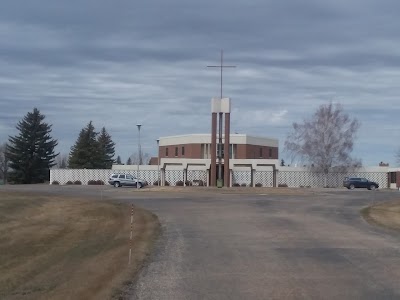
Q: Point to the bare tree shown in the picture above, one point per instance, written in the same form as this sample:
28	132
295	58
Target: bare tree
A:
3	162
325	141
62	161
145	158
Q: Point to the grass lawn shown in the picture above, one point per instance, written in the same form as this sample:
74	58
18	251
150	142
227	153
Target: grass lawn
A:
69	248
385	214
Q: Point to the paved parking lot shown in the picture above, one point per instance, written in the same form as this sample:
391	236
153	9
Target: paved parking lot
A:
305	245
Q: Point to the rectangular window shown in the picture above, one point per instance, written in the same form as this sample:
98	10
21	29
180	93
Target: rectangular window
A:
393	177
270	152
260	152
166	152
176	151
183	151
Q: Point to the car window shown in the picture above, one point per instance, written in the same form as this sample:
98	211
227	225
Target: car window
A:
129	177
122	176
114	176
364	180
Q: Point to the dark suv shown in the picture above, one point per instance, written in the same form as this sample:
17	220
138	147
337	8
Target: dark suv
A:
357	182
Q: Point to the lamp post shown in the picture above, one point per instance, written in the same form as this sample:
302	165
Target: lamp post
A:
158	162
139	154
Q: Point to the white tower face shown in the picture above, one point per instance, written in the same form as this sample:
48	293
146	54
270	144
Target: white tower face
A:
221	105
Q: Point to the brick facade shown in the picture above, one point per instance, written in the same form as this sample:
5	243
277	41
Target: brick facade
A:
242	151
256	152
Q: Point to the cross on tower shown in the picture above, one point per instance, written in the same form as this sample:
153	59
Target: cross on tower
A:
226	161
221	66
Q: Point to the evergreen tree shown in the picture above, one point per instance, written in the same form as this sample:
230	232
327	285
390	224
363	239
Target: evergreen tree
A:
31	152
282	163
119	160
86	154
107	149
129	161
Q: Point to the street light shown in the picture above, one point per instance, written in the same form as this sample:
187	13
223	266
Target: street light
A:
139	161
158	162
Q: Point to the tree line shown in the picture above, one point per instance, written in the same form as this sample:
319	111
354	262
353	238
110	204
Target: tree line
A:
28	156
324	142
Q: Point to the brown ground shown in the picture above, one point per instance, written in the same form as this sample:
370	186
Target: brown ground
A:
386	214
69	248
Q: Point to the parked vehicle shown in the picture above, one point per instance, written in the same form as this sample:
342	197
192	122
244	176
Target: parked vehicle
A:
118	180
357	182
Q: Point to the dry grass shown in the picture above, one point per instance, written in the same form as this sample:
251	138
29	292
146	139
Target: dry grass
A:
68	248
385	214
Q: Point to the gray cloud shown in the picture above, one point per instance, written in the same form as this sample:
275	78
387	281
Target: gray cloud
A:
121	63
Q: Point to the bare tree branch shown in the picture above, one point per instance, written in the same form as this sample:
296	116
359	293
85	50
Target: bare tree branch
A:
3	162
326	140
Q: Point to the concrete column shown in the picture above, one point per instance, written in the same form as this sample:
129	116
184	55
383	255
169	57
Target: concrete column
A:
162	176
227	149
213	179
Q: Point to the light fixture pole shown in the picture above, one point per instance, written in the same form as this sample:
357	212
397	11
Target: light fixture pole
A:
139	154
158	162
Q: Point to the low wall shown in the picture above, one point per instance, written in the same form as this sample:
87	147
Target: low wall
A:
292	177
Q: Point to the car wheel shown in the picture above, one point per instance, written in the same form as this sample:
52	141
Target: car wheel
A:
139	185
351	186
372	187
117	184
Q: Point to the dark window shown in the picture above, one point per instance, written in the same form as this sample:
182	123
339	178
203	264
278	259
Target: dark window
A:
122	176
176	151
166	151
260	152
393	177
115	176
183	151
270	152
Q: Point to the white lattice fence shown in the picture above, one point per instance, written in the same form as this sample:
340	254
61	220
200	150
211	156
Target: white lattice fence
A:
266	178
83	175
379	177
172	176
194	176
241	177
314	179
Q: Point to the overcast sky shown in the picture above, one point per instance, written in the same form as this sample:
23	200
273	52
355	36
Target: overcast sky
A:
119	63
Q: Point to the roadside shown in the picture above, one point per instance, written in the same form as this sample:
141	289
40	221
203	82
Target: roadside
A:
56	247
385	214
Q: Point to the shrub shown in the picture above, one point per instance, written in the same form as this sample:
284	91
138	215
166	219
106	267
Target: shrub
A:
179	183
69	182
188	183
77	182
201	183
236	184
156	182
282	185
95	182
243	184
258	184
166	183
55	182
